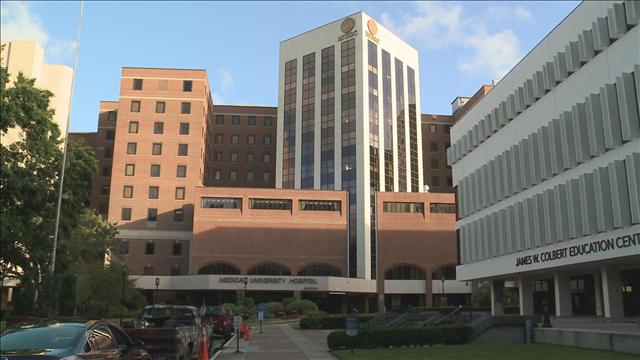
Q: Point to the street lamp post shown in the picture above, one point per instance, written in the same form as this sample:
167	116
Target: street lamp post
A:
124	277
245	297
443	301
155	294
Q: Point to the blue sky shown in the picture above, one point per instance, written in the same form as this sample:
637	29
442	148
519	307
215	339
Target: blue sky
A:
462	45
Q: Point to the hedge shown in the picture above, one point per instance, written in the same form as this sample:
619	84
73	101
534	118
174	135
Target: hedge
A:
446	335
444	310
330	322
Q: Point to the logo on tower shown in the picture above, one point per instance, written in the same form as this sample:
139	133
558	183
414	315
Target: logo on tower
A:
372	31
347	28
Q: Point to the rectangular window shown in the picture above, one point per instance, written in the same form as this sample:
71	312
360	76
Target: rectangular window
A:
217	175
162	85
104	190
180	193
235	139
403	207
235	119
266	176
217	156
233	156
266	157
135	106
154	192
148	270
183	149
129	170
108	153
132	148
251	121
178	215
177	249
248	176
435	164
185	108
251	157
267	140
160	107
126	214
106	171
319	205
112	115
149	249
187	85
110	134
233	175
133	127
219	119
221	203
158	127
267	121
127	192
270	204
218	139
184	128
181	171
433	128
124	247
433	146
438	208
152	215
155	170
435	181
137	84
156	149
251	139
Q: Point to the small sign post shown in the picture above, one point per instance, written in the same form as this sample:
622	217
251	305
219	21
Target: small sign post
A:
237	323
262	309
351	325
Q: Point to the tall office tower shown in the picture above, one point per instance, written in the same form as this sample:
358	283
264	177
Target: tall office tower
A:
348	99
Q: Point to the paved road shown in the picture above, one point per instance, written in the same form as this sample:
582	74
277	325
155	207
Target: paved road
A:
281	342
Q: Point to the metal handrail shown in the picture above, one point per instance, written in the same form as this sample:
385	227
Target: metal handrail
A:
449	315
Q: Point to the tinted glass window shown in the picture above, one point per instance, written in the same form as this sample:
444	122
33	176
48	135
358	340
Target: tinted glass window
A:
100	338
58	337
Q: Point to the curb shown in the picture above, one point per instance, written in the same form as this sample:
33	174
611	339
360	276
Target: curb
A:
217	353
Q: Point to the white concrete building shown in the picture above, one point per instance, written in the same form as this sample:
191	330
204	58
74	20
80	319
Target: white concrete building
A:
547	169
348	118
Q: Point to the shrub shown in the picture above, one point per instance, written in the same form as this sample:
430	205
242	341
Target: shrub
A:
274	307
330	322
287	301
302	306
447	335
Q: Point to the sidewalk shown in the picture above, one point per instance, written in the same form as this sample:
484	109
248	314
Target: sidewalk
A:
280	342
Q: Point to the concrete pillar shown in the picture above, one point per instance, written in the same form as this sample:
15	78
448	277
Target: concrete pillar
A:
381	306
562	294
526	295
428	294
297	295
497	287
366	304
344	304
597	289
612	292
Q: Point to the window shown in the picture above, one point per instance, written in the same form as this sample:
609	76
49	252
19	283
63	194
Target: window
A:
154	192
319	205
106	171
152	215
162	85
445	273
406	272
149	248
269	270
235	120
217	156
403	207
185	108
104	190
181	171
251	157
178	215
110	134
449	181
435	181
219	269
187	85
148	269
177	249
184	128
132	148
155	170
541	285
218	139
124	247
137	84
267	121
438	208
126	214
179	193
266	157
233	156
267	140
100	339
183	149
129	170
221	203
135	106
433	128
158	127
112	115
433	146
235	139
175	270
251	139
217	175
248	176
108	153
219	119
233	175
133	127
266	176
160	107
127	192
156	149
270	204
435	164
319	270
251	121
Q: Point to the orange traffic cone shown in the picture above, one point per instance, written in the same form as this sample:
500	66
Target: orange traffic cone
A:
204	347
247	334
243	330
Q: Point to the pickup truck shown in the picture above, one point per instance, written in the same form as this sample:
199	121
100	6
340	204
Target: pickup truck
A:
221	321
170	332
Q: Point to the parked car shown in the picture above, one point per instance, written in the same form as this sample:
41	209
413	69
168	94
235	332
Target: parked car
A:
221	321
170	331
52	339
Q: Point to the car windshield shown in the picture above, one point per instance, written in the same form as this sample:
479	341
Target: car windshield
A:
214	311
52	337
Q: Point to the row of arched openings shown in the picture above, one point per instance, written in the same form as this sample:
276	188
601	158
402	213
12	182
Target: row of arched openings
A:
410	272
269	270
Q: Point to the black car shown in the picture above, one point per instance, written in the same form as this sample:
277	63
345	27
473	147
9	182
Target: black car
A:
68	340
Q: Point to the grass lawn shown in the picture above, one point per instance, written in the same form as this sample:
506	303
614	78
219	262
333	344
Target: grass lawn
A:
485	352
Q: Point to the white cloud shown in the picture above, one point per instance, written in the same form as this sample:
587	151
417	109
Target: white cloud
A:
224	82
19	23
437	25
